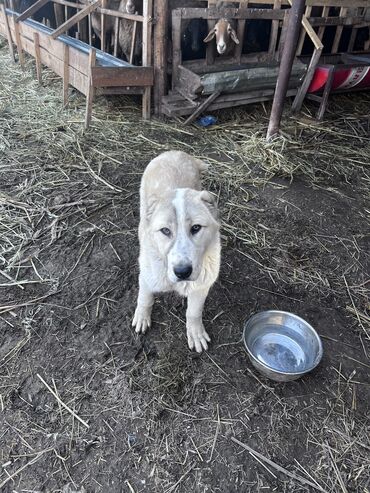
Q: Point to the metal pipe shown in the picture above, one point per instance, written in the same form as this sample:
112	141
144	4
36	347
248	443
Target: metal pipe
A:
287	58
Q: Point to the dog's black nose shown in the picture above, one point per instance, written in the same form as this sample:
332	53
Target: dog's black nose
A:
183	271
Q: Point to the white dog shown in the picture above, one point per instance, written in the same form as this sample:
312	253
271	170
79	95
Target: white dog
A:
179	240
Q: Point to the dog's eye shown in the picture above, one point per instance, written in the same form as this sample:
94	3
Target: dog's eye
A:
166	231
195	229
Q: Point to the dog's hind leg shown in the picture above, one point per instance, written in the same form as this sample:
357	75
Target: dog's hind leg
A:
197	336
142	318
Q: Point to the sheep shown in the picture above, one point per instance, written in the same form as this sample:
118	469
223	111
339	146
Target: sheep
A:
126	28
224	32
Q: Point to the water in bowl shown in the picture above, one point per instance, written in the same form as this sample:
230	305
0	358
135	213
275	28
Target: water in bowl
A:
277	347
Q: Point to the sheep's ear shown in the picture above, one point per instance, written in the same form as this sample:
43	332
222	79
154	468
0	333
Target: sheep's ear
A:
234	36
209	200
210	36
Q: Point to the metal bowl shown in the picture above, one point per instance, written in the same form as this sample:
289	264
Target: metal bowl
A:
282	345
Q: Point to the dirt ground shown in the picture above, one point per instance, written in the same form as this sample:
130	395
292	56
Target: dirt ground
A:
144	413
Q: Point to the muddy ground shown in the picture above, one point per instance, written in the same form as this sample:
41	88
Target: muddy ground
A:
144	413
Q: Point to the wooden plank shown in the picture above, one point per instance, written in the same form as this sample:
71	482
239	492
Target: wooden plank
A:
133	43
122	76
176	46
18	43
230	13
160	52
203	106
77	59
274	31
338	21
90	88
227	101
122	15
7	31
31	10
303	33
59	14
338	32
103	25
352	38
116	34
65	75
302	91
75	18
320	33
147	55
240	33
310	32
37	56
326	93
76	78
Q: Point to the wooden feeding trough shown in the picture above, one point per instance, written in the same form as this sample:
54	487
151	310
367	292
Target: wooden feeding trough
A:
87	69
218	82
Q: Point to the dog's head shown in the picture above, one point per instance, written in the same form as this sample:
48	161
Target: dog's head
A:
184	227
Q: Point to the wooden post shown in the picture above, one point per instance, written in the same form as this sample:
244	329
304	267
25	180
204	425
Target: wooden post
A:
290	44
90	88
65	74
147	54
89	29
18	43
176	46
133	40
8	33
36	40
338	31
102	26
302	91
116	36
274	32
326	93
160	52
58	12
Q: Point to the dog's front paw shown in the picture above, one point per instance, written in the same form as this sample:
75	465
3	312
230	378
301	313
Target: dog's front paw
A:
197	337
142	319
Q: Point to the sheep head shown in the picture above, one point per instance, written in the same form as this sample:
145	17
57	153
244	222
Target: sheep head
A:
224	33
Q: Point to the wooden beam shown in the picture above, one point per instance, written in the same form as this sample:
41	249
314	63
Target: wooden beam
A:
122	76
8	33
302	91
274	31
36	40
116	34
90	88
18	43
74	19
176	47
65	75
230	12
203	106
133	43
31	10
103	24
147	55
160	52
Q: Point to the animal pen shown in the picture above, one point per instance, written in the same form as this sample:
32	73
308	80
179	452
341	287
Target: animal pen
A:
189	87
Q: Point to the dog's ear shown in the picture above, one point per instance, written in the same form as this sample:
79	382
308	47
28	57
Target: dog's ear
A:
150	206
210	36
209	200
234	36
